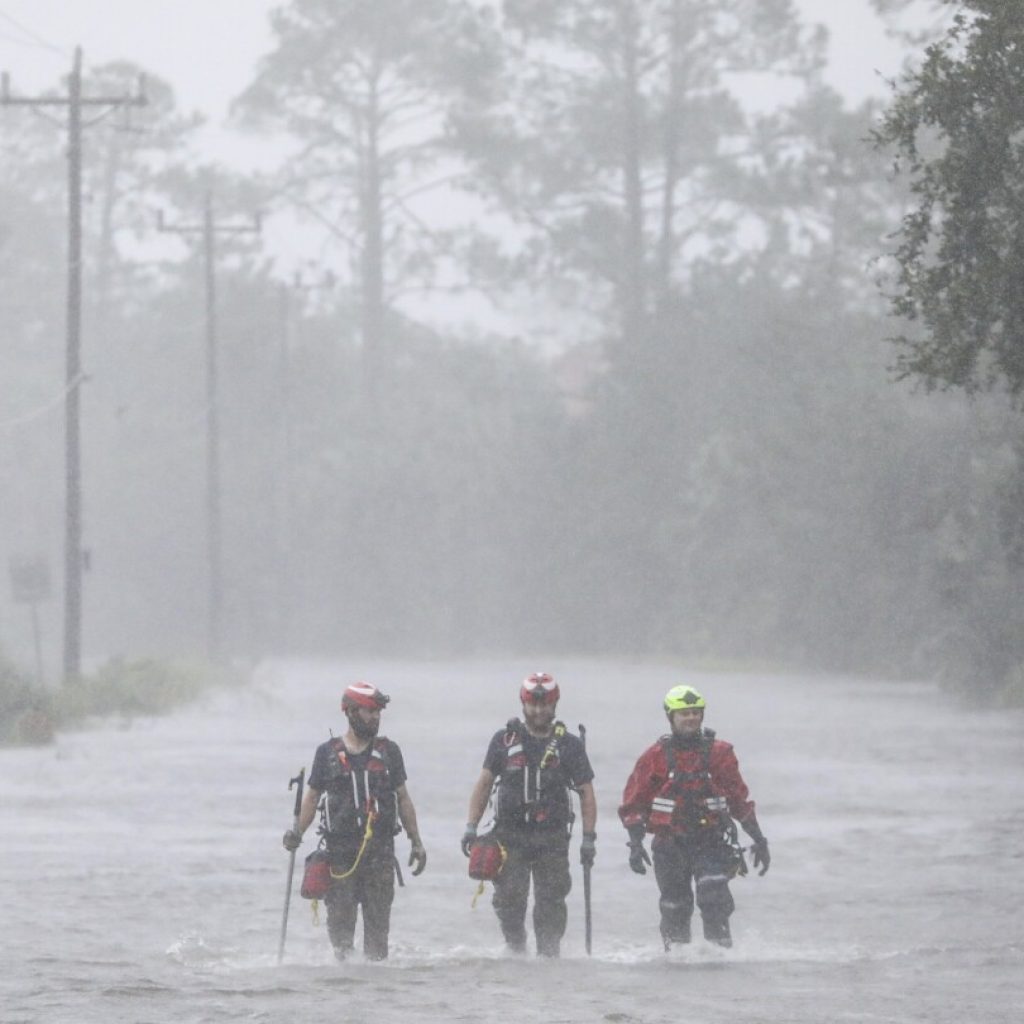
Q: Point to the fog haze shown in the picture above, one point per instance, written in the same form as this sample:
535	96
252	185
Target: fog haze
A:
432	347
484	391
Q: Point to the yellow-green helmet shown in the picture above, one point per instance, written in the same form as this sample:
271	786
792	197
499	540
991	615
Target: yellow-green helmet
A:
681	698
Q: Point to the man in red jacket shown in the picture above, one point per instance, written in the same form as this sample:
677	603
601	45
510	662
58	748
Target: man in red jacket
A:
686	790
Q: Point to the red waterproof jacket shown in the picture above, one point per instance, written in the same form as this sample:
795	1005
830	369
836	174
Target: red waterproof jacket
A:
674	790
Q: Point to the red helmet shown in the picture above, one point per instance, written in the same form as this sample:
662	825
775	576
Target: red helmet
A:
363	695
540	688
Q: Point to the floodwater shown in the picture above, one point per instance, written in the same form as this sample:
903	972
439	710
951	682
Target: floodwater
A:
143	877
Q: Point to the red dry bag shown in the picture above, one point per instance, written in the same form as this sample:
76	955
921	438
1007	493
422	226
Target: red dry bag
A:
316	878
486	859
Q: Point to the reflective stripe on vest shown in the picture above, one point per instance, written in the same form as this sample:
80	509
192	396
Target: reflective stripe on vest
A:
683	800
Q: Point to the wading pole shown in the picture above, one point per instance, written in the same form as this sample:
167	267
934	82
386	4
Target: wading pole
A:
587	920
586	906
297	781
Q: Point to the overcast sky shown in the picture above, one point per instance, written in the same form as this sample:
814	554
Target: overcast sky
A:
207	49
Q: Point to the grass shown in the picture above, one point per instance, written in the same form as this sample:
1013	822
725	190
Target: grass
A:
30	715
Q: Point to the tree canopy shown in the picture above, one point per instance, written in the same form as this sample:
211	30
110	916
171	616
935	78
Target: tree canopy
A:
957	128
364	90
619	139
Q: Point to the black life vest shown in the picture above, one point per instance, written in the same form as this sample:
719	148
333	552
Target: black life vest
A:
352	793
687	801
533	794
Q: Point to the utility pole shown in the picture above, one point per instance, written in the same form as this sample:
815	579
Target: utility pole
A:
73	554
208	230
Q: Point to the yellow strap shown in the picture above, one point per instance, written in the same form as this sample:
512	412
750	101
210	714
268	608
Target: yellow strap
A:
316	912
549	750
367	836
479	892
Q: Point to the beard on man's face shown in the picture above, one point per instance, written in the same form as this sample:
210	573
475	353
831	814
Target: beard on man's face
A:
363	729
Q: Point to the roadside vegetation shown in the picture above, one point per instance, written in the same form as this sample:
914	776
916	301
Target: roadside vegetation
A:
32	715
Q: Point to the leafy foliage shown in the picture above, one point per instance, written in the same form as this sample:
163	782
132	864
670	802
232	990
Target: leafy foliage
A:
143	687
957	128
30	714
24	713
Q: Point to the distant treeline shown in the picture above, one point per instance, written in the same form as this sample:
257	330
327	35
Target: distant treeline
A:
690	446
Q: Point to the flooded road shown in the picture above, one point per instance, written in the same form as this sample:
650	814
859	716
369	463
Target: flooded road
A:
143	877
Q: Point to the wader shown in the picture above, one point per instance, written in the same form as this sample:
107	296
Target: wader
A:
545	856
683	864
372	887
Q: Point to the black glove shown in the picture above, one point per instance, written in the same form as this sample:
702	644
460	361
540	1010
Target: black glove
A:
762	858
292	840
637	854
588	849
417	858
759	848
638	858
468	838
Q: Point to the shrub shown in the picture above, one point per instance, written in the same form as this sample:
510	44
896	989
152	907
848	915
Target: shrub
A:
119	687
26	715
144	687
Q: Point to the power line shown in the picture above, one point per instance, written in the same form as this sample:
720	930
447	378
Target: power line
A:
8	38
43	409
34	38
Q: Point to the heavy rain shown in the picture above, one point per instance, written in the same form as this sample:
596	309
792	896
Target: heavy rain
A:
671	349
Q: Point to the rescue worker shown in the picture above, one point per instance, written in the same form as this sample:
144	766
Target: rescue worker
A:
686	790
535	763
361	777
